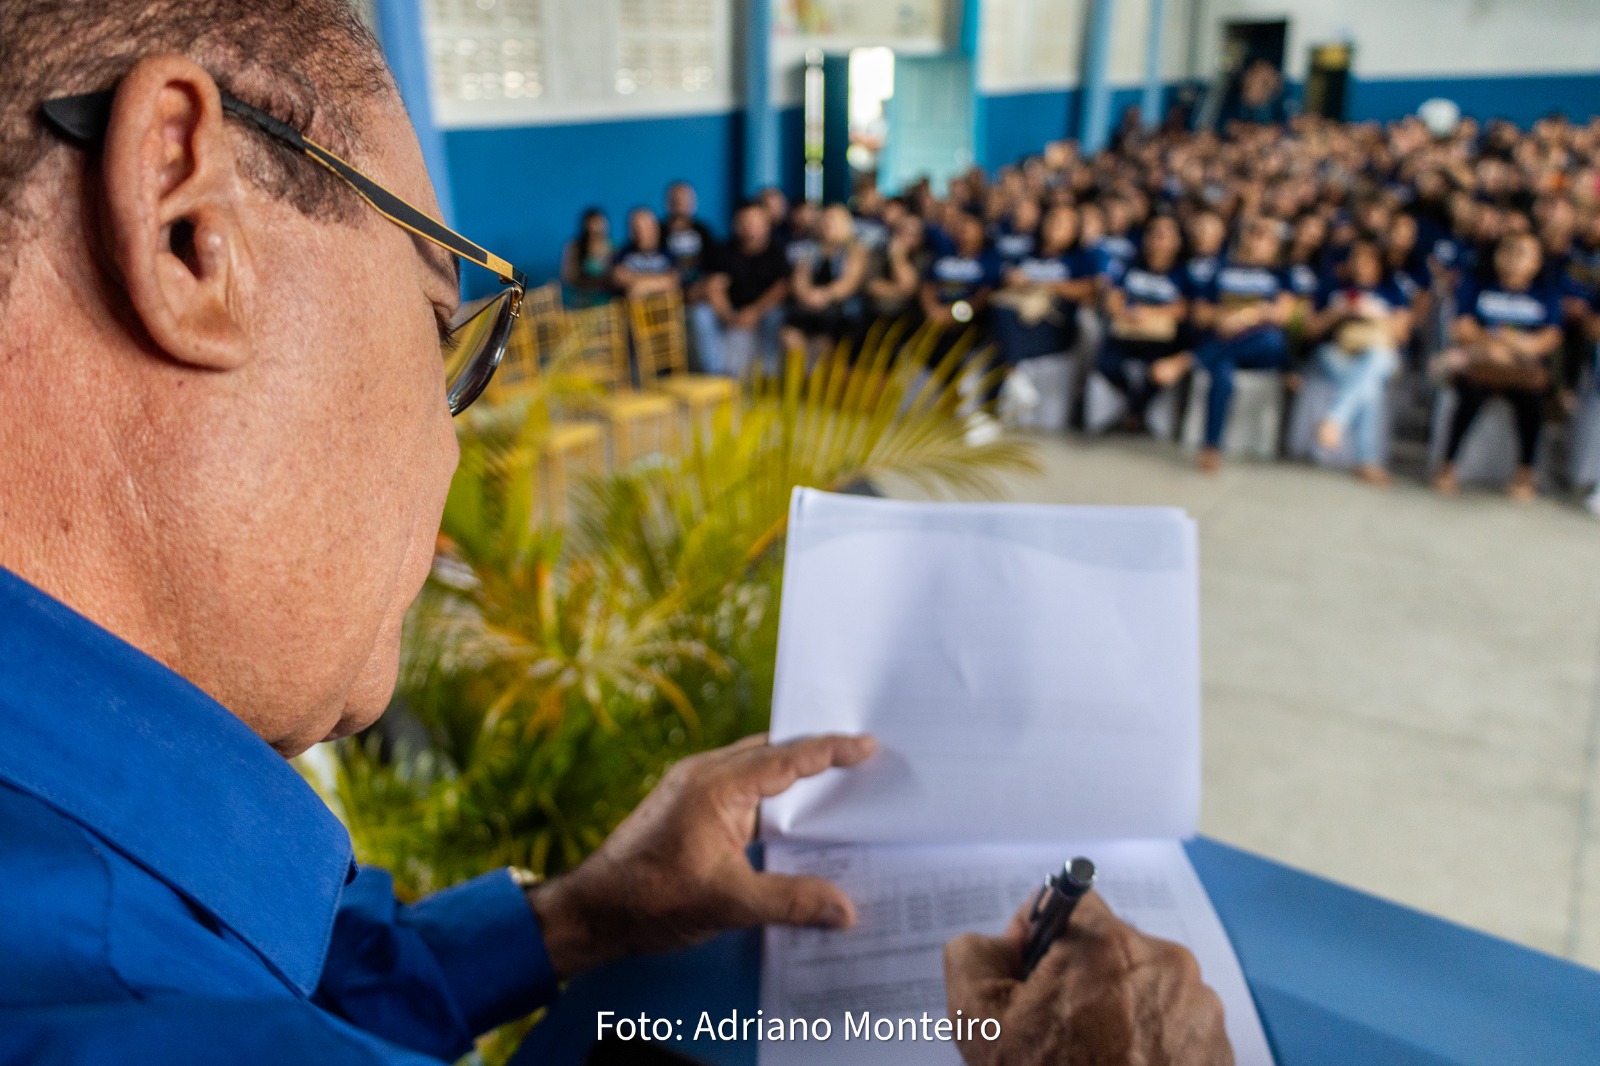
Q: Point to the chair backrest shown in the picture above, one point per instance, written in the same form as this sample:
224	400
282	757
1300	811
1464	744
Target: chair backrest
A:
602	343
659	336
535	334
546	318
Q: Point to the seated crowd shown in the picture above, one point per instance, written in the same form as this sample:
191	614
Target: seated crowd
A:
1313	250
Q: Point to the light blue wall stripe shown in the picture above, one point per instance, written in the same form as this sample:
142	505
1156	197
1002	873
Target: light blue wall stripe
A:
971	27
760	118
1094	124
1150	105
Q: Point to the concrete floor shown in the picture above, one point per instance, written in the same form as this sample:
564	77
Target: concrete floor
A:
1401	692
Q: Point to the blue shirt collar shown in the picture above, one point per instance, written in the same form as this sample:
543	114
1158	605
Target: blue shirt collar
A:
165	774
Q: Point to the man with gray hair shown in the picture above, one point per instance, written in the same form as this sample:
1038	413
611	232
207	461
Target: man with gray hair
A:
225	443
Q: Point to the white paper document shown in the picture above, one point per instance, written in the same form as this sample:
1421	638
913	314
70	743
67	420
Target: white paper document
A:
911	900
1032	676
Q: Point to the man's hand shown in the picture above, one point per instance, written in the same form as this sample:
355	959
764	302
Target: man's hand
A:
675	873
1103	993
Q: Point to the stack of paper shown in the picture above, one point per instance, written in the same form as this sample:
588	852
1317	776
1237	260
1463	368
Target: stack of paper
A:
1032	676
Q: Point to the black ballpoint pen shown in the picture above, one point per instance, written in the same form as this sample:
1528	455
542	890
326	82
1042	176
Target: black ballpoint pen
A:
1052	909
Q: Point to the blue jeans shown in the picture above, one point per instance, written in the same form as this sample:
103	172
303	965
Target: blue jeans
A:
1358	405
1262	348
731	352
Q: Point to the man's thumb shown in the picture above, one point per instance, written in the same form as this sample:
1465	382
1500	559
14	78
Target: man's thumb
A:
980	974
784	899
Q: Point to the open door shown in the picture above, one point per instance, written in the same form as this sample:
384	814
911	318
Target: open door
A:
929	120
1327	80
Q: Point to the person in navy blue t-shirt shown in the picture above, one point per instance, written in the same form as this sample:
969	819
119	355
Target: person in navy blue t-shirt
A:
1016	238
1307	255
1506	329
1206	233
1145	311
643	265
1362	318
1036	313
1243	311
1119	244
955	294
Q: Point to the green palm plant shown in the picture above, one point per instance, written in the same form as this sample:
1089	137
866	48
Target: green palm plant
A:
550	675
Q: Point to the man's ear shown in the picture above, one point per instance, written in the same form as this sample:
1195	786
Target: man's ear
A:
174	214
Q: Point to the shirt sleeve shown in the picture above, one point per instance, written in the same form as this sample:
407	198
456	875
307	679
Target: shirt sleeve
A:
435	975
188	1031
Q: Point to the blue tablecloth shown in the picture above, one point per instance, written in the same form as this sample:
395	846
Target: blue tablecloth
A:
1340	978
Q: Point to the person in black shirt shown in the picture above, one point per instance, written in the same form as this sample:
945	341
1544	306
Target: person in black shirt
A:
747	281
687	239
825	288
895	279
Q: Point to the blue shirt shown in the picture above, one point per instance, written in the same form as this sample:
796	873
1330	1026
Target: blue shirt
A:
1494	306
1119	250
1012	247
174	891
1147	287
961	277
1303	279
1236	284
1389	293
1053	269
642	262
1200	270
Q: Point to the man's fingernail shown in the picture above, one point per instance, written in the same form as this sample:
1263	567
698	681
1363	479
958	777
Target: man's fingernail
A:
835	915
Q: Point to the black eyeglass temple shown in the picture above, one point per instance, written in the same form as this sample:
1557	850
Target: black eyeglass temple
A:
83	119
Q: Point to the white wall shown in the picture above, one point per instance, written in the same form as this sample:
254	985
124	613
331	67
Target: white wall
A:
1425	38
530	62
910	27
1034	45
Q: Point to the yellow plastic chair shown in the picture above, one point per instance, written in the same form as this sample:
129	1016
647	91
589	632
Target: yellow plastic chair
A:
535	334
660	341
641	423
570	448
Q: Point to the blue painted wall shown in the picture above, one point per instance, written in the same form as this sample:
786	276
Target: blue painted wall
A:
1520	98
792	151
1019	124
520	191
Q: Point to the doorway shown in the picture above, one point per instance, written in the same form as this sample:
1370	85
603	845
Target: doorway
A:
889	119
1246	45
1327	80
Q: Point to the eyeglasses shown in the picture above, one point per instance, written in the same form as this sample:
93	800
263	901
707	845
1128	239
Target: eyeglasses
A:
475	342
